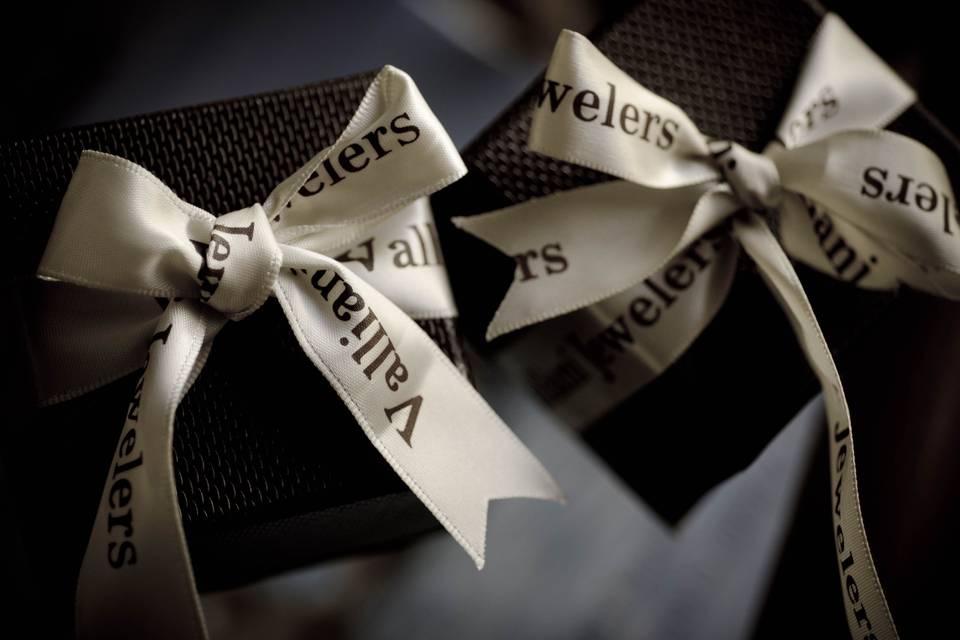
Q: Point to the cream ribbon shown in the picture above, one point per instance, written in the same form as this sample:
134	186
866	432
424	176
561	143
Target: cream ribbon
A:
122	238
647	258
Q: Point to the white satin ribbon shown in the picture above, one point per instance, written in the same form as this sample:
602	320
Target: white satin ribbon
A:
640	264
121	237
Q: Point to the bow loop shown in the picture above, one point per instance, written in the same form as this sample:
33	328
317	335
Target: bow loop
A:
120	230
241	261
642	265
135	237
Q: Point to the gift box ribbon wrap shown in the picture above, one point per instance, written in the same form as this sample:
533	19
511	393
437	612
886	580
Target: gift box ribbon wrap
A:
167	276
864	205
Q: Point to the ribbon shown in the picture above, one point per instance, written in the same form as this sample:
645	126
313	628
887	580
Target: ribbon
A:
122	238
646	261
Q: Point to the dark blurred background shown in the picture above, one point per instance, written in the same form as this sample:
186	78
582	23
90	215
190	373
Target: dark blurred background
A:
83	62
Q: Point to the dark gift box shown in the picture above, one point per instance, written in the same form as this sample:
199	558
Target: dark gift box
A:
262	486
731	66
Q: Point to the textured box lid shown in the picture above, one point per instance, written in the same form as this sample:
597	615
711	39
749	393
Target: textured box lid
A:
731	65
264	486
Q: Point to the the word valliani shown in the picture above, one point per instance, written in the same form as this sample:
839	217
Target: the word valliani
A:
419	246
214	257
848	264
372	348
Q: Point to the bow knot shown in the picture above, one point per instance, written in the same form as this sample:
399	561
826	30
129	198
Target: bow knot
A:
753	177
123	239
240	263
863	205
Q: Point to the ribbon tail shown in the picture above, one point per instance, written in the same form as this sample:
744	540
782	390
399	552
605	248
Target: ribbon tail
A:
556	240
868	611
417	409
586	362
136	580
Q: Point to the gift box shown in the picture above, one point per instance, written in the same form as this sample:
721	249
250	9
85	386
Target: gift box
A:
262	486
731	66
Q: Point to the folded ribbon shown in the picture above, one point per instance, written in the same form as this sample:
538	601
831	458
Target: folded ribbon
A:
122	238
866	206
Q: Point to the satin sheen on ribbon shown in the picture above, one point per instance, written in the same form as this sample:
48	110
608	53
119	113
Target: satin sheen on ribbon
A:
122	238
643	262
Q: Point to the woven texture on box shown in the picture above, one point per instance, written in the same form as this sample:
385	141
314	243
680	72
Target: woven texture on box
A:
221	156
252	445
728	63
731	65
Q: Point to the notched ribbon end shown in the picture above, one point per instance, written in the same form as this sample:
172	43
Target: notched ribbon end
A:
492	333
552	493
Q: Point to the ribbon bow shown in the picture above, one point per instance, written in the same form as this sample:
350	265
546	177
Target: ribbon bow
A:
648	257
123	237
